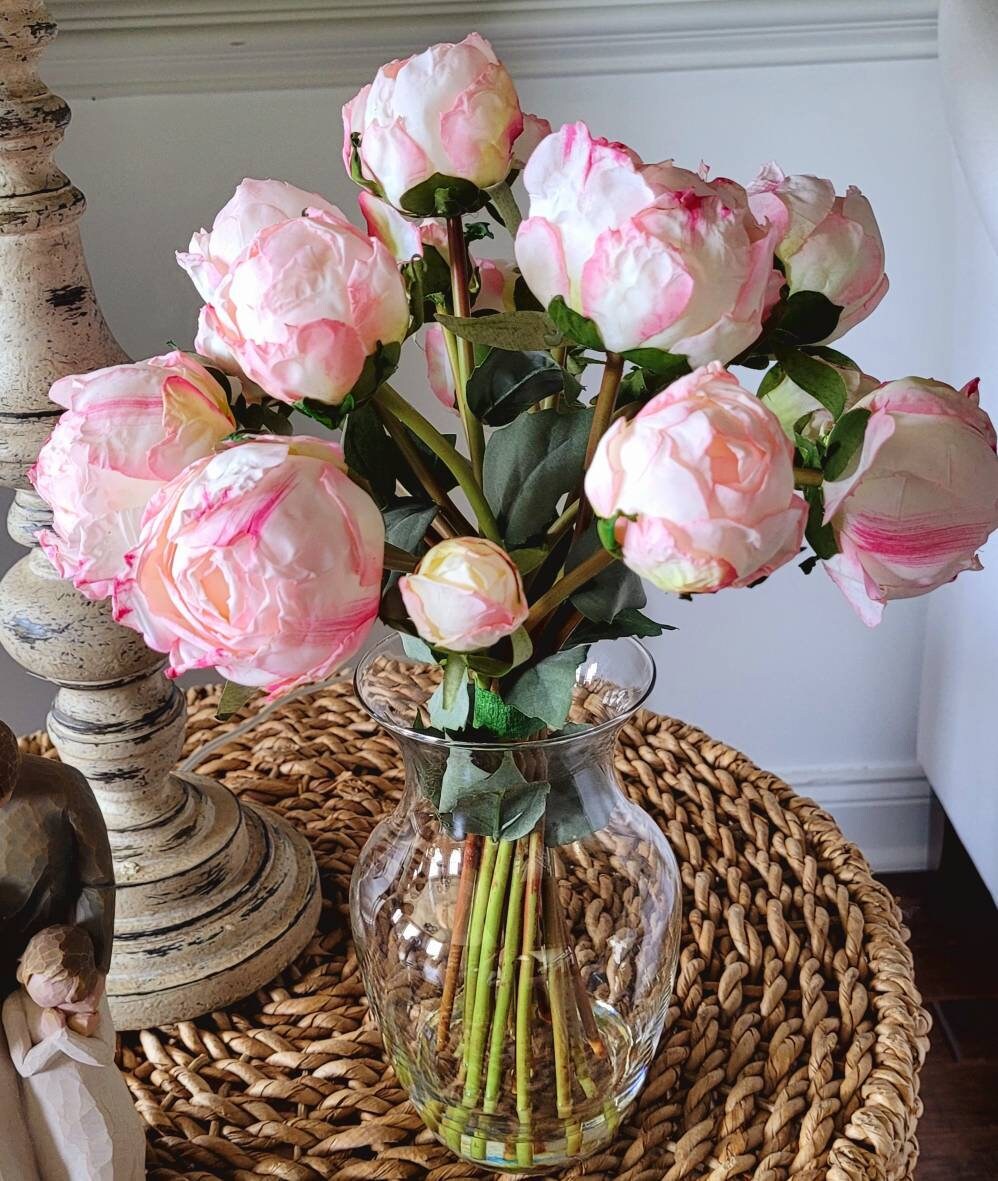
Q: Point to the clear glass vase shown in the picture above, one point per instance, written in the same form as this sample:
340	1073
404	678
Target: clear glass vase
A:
521	985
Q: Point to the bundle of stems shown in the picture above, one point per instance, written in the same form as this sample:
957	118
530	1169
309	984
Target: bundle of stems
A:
513	996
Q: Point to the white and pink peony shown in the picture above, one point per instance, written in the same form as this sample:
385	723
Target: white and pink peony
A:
702	479
826	243
127	430
921	498
231	572
296	297
465	594
449	113
657	257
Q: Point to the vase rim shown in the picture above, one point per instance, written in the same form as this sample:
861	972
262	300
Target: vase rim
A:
641	692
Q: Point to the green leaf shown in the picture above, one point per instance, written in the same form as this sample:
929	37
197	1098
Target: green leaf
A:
502	199
657	361
574	810
442	196
501	805
520	810
406	524
628	622
530	465
365	447
771	380
507	383
576	327
332	417
807	449
613	590
233	698
461	778
820	537
806	318
544	690
512	331
816	378
506	654
527	560
845	442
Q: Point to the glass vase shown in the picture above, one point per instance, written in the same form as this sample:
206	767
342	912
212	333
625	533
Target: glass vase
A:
521	982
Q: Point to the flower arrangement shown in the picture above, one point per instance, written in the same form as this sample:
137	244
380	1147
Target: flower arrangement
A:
601	440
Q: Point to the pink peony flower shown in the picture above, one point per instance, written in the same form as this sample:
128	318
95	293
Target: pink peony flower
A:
534	130
702	478
254	205
304	305
656	256
127	430
231	572
921	499
826	243
449	112
465	594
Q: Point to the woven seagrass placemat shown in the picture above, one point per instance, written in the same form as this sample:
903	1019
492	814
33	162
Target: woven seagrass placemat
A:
793	1044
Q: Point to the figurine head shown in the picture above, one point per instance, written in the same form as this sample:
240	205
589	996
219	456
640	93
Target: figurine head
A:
58	972
10	759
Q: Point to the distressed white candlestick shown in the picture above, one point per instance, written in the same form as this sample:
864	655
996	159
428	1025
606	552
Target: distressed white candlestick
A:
213	898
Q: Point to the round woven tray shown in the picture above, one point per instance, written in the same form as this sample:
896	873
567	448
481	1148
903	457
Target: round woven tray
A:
793	1044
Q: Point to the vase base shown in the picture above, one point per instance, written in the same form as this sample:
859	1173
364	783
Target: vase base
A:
234	908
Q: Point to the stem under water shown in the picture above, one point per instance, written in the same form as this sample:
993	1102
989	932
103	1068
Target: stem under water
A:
462	909
557	987
507	974
524	995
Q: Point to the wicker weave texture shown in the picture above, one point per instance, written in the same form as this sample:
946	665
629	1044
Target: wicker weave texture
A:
792	1049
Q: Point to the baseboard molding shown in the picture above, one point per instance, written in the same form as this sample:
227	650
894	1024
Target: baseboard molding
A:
889	811
110	47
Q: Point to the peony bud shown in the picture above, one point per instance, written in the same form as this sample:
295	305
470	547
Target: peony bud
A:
921	498
436	127
702	479
827	244
465	594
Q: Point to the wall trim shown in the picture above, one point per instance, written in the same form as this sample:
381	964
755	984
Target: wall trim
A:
889	810
113	47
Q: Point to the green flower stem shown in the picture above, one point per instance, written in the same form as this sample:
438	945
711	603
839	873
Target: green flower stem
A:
806	477
507	973
563	522
462	910
576	577
603	409
557	987
424	430
476	930
524	996
457	248
451	515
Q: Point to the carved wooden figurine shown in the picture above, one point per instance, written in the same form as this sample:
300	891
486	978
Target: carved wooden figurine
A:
213	898
67	1113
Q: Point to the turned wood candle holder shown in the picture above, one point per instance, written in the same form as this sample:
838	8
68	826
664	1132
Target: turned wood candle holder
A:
213	897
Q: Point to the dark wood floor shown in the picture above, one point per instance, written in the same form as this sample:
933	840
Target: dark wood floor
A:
954	938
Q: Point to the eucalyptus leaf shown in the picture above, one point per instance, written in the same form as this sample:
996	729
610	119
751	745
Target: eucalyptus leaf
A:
493	714
451	715
406	523
505	330
416	648
845	442
365	447
628	622
576	807
527	560
502	199
507	383
816	378
455	675
664	365
530	465
233	698
833	356
613	590
544	690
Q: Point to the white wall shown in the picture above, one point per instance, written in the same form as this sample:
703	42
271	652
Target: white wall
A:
785	672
